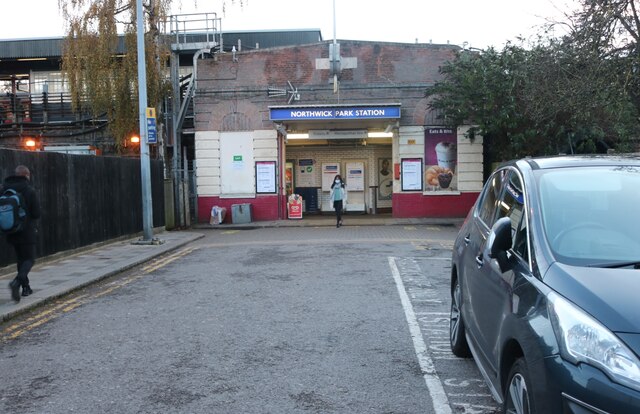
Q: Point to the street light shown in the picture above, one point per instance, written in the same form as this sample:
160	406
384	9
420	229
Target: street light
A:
30	143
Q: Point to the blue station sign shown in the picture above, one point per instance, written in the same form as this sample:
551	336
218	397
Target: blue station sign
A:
334	113
152	133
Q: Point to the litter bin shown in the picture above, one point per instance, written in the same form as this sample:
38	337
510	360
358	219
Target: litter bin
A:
240	213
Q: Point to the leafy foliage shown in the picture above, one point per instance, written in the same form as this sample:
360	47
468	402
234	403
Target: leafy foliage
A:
547	99
579	93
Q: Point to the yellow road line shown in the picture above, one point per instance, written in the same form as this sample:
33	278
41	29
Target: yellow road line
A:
166	260
14	331
43	314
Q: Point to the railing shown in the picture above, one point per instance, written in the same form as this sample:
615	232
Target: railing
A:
40	112
43	108
193	31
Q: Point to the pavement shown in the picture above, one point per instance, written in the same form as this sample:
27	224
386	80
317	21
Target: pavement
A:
57	275
329	220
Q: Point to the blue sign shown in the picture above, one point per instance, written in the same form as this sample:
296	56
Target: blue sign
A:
152	136
333	113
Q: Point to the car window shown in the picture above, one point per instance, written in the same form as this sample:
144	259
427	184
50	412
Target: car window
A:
590	214
511	205
490	196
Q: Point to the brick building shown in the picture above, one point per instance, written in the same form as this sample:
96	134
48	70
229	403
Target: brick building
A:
284	120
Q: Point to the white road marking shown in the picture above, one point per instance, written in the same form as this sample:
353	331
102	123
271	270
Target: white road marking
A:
434	385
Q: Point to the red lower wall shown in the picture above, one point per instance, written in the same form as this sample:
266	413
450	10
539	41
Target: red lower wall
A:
263	208
407	205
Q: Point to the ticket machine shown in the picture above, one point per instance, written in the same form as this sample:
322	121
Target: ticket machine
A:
329	171
355	186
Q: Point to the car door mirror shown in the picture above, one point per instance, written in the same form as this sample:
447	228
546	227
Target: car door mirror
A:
499	241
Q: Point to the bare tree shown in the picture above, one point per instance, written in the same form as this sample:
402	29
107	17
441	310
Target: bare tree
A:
611	29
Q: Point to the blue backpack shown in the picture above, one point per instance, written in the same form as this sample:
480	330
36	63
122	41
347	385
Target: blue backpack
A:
12	212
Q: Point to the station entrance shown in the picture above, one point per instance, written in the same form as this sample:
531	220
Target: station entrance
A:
363	159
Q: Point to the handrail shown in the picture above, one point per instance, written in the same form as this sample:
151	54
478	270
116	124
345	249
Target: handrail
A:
193	31
185	103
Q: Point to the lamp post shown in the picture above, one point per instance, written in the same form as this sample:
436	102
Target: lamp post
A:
147	208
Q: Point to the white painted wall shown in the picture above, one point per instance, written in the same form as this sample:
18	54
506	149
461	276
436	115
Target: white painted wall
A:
207	163
216	173
469	169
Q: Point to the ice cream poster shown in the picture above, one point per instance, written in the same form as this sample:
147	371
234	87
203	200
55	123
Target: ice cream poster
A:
441	159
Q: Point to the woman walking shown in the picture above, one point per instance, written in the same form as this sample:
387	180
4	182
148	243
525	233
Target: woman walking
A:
338	197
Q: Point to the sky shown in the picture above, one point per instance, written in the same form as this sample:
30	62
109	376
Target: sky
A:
471	23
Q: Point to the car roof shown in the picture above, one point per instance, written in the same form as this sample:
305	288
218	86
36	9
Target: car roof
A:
563	161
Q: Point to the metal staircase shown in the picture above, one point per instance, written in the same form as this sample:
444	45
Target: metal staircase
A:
190	35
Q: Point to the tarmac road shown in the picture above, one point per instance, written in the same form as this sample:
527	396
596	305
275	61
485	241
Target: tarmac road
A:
281	320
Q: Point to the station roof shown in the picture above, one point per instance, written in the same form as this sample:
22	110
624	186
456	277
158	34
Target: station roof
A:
20	56
52	47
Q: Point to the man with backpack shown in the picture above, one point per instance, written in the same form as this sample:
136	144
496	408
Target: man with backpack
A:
19	208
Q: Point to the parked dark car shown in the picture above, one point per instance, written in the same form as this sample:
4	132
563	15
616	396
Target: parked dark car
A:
545	285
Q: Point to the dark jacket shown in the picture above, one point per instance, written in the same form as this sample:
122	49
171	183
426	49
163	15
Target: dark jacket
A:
32	207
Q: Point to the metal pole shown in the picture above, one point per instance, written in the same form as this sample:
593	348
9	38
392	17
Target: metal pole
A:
175	111
147	212
334	22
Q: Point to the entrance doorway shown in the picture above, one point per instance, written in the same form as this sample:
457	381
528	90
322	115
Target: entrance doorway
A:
359	165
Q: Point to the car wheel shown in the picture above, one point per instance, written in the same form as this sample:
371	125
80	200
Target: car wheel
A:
517	394
458	341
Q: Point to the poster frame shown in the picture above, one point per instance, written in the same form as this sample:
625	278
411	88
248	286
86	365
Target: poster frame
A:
272	189
404	170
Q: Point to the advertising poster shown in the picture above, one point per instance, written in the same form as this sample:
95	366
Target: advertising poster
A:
385	179
441	159
265	177
288	177
411	174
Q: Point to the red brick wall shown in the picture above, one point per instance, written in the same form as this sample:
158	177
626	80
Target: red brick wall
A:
411	205
385	73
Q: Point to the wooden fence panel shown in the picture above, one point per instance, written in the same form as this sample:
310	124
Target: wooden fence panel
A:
85	199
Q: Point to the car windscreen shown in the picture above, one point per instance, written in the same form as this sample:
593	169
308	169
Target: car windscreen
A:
591	215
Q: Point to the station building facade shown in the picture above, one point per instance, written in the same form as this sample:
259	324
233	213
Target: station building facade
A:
274	122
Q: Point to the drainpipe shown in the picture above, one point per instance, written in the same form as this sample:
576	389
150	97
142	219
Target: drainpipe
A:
195	67
280	175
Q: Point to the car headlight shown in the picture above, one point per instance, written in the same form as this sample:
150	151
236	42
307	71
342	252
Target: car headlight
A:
583	339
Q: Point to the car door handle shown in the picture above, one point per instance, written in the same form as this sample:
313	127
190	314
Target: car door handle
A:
467	239
479	260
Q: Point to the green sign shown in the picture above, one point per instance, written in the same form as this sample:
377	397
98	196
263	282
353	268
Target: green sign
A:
237	158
